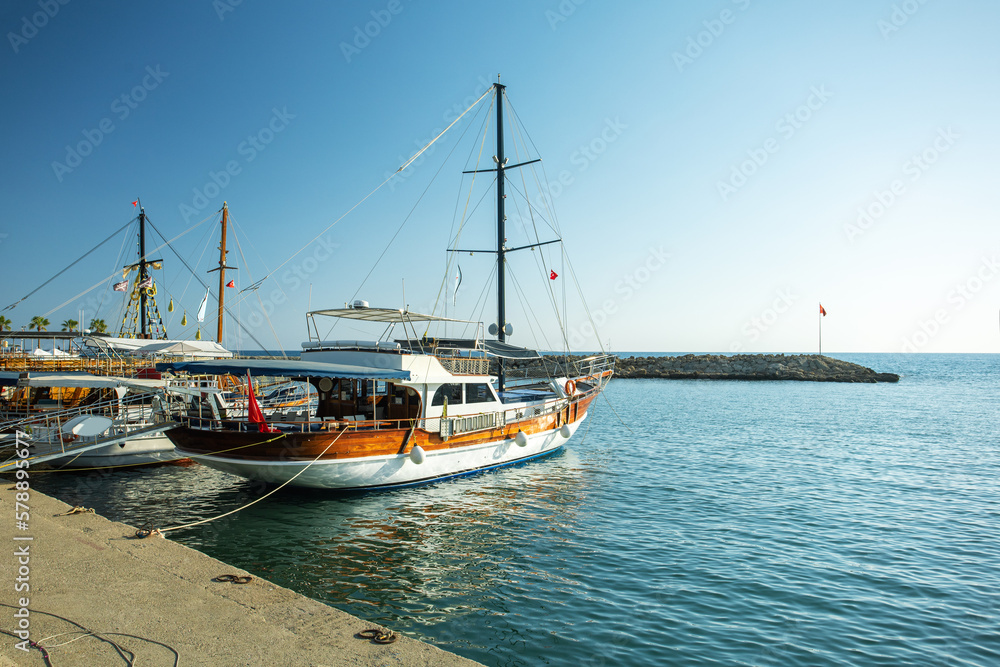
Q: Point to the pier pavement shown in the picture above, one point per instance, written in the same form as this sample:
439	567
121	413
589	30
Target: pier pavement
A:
86	573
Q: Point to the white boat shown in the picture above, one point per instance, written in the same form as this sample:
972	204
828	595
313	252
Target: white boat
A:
66	412
402	408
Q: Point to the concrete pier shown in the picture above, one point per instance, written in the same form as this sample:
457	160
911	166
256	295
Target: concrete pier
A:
96	576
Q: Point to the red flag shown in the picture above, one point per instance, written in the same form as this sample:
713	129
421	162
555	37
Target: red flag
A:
822	310
134	203
553	275
254	414
231	283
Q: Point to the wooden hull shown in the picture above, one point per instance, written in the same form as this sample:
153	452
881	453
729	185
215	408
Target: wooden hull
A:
377	458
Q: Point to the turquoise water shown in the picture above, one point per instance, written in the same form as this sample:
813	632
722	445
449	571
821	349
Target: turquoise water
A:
737	523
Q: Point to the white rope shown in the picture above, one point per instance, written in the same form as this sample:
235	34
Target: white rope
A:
188	525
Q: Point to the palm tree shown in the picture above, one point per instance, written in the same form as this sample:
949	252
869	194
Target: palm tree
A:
70	325
38	323
4	323
98	326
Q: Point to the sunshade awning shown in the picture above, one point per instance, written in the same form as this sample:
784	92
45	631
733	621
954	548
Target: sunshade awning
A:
289	368
384	315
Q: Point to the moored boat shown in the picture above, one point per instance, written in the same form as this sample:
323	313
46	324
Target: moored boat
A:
402	408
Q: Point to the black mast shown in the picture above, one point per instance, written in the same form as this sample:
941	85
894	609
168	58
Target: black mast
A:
501	325
143	273
501	233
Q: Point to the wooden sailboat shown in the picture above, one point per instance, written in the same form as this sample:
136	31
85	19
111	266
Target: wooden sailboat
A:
405	409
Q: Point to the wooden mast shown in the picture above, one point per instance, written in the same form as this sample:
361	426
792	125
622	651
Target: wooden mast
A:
222	270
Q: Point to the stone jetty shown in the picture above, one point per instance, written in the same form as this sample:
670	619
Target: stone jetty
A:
70	575
802	367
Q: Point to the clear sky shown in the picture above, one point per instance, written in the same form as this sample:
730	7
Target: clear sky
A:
726	166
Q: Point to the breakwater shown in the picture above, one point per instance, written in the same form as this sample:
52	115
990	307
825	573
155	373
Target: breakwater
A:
801	367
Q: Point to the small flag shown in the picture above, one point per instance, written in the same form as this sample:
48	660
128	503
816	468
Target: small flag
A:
148	282
122	286
822	310
134	203
231	283
553	275
201	308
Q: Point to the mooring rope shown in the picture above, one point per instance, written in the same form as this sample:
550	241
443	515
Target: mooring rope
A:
160	531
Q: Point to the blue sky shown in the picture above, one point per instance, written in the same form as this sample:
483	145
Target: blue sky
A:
725	166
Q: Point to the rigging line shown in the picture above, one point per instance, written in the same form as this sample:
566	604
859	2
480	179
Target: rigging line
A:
464	219
75	262
118	262
586	308
270	325
527	310
616	413
490	283
203	284
273	491
379	187
553	225
541	263
415	205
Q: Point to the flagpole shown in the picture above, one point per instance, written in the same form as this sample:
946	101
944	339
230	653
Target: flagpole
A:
820	316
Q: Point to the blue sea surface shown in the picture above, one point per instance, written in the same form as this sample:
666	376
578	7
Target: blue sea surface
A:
688	522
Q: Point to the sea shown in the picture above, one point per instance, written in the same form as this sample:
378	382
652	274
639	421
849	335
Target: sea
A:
688	522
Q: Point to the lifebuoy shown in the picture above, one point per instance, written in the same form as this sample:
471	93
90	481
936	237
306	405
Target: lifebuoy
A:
570	387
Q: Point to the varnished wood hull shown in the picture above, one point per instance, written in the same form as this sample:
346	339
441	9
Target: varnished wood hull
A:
373	459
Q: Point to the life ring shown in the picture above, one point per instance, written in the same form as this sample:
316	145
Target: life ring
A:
570	387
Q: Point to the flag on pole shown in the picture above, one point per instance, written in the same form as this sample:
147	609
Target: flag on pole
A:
121	287
254	413
458	283
553	275
231	283
134	203
202	307
148	282
822	310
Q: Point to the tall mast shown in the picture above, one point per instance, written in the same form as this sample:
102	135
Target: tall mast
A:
501	232
222	269
143	273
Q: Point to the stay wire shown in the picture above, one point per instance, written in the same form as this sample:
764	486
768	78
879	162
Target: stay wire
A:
377	188
74	263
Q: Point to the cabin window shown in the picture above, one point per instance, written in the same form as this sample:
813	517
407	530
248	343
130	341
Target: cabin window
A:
452	391
478	393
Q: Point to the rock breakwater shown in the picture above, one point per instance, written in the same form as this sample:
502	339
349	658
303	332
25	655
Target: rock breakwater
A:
802	367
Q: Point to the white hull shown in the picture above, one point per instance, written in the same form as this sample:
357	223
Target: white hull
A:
397	470
137	451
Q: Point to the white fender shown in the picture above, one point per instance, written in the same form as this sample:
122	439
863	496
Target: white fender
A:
565	432
521	439
417	454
